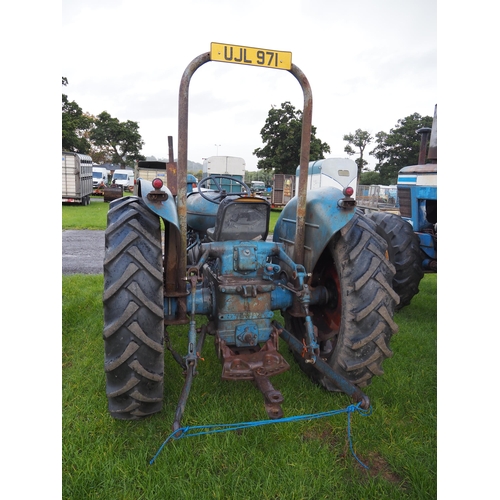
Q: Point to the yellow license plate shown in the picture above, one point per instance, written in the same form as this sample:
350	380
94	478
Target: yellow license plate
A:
250	55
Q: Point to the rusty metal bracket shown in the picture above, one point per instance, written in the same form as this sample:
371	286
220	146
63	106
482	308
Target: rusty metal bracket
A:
342	383
272	397
256	365
243	363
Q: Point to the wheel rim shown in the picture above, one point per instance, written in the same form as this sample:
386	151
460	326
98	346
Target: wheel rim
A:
327	319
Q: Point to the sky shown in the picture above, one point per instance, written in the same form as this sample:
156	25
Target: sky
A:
369	64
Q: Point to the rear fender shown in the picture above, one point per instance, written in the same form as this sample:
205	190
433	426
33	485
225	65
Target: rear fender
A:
324	218
166	209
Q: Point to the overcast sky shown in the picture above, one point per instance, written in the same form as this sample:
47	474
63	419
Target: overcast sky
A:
369	64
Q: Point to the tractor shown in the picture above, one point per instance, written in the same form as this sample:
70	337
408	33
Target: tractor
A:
325	269
412	237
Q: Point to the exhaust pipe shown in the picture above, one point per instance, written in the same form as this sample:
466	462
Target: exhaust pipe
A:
425	132
433	148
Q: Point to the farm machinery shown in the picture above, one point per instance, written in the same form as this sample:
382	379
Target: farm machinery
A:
411	237
417	193
325	269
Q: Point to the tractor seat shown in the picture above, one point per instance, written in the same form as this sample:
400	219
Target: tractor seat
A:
244	218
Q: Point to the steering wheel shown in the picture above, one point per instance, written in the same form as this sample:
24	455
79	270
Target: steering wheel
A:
222	192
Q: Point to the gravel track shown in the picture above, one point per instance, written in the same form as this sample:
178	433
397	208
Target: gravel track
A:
82	251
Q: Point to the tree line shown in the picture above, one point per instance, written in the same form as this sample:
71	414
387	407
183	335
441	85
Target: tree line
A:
398	148
104	138
107	140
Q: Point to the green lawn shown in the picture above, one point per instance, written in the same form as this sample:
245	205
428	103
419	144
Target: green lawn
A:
93	216
108	459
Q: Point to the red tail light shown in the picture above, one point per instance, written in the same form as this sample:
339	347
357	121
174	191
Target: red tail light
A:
157	183
348	191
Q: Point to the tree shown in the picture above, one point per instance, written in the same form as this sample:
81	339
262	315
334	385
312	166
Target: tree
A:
120	140
74	125
369	177
281	135
360	139
399	148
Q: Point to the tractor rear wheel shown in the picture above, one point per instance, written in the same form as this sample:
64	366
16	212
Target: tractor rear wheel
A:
354	328
133	310
403	247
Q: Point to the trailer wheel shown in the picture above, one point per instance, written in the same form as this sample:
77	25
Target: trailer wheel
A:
133	310
355	327
403	247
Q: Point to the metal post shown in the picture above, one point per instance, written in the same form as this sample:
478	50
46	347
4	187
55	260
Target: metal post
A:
182	163
305	149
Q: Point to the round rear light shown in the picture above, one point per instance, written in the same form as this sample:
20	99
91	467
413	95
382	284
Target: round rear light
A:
157	183
348	191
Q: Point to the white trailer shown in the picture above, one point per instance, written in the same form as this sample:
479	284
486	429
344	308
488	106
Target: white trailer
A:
226	165
76	178
283	190
150	170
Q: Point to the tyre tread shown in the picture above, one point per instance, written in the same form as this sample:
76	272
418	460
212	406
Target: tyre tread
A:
133	310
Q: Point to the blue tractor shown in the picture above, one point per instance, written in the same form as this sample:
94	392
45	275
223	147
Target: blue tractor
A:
324	269
412	236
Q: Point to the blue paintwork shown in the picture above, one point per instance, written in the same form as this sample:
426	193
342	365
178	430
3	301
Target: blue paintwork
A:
244	289
201	213
421	180
191	180
323	219
407	179
427	245
419	194
167	209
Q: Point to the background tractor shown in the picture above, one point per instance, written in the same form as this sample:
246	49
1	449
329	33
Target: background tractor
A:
412	236
325	269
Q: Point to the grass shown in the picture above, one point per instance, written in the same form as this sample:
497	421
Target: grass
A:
108	459
93	216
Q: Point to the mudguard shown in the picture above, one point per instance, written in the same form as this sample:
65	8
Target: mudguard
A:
166	209
324	218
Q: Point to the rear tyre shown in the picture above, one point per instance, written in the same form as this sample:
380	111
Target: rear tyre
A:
403	247
354	329
133	310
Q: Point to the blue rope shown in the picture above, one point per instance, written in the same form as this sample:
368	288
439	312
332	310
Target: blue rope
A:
196	430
